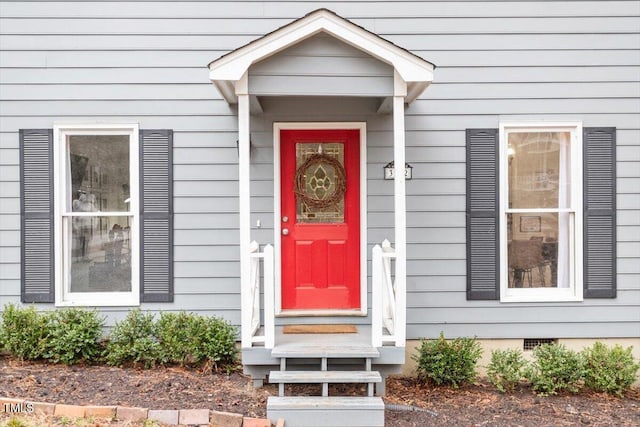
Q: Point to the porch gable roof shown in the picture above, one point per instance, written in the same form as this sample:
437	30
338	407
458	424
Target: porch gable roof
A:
225	71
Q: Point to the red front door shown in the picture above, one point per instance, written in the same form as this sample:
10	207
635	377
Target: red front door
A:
320	219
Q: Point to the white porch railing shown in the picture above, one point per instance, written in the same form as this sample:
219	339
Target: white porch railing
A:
251	300
387	319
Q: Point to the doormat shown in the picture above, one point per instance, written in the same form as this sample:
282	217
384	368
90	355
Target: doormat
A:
319	329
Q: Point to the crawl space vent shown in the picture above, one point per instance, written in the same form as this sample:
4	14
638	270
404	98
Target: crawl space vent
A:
531	343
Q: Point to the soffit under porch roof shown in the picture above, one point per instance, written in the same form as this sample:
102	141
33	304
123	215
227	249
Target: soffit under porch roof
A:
225	71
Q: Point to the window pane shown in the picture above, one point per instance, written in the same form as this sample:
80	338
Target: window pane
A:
539	169
321	183
100	254
98	173
538	250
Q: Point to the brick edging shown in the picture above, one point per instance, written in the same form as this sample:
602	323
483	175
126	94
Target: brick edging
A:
190	417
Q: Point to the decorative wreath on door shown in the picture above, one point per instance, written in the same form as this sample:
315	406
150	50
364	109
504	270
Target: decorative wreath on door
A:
329	199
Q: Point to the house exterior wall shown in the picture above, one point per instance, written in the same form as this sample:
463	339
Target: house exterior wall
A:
146	62
321	65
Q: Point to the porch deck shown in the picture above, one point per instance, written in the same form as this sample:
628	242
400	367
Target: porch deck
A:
323	345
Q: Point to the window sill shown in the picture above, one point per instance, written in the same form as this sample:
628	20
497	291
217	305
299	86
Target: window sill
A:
540	295
99	300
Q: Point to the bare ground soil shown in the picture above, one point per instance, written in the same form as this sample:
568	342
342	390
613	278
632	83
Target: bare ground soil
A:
410	403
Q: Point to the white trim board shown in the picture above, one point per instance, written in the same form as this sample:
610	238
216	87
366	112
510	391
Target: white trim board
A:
229	68
277	127
575	290
63	296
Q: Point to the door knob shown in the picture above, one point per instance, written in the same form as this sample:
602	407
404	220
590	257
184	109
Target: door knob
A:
285	231
285	218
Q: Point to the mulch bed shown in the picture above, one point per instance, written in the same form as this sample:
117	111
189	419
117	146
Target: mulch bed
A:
482	405
417	404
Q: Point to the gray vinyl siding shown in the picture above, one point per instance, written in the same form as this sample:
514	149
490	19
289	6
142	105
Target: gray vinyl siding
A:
146	62
9	216
321	65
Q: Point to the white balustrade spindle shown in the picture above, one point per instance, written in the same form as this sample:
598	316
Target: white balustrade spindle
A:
251	309
386	326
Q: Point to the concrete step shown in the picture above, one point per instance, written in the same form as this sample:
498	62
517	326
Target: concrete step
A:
333	377
327	411
328	351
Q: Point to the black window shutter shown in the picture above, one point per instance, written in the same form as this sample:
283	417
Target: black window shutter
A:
482	215
599	212
36	214
156	216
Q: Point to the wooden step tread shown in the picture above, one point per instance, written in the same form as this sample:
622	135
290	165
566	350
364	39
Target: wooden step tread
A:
329	351
313	377
318	402
313	411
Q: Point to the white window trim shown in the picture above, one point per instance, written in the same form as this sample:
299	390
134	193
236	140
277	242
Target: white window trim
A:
575	290
103	299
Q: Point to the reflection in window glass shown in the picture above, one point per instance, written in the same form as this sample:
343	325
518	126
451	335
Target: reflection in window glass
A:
99	173
98	245
100	254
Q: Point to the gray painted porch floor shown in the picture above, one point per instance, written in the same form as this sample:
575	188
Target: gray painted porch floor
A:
361	338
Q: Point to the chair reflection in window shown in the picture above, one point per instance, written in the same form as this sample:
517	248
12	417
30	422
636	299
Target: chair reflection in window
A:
525	256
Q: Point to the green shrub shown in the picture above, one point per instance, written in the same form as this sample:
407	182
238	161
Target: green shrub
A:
554	369
134	340
506	369
609	370
74	335
448	362
216	339
176	335
189	338
23	332
183	338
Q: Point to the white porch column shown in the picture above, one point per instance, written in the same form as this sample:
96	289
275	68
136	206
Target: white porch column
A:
400	208
242	92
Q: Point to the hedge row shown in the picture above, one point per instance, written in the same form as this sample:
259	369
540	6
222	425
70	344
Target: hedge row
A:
553	368
76	335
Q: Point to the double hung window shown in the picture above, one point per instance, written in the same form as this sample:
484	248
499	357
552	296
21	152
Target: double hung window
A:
540	212
96	220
